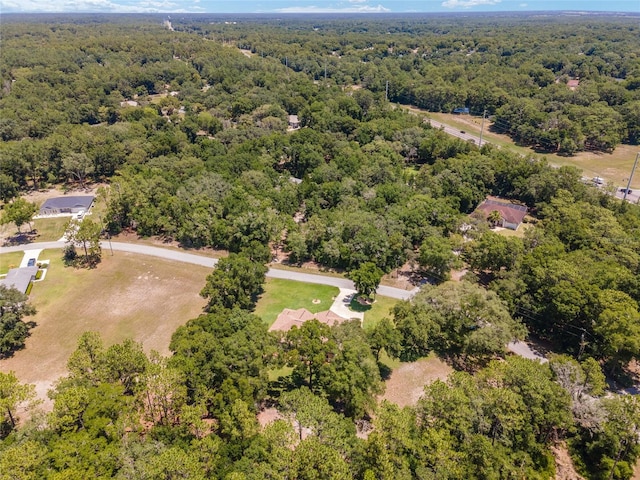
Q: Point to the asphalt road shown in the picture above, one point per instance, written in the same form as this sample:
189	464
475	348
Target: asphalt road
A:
456	132
519	348
204	261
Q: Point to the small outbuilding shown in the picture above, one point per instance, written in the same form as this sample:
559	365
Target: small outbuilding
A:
70	205
294	122
511	214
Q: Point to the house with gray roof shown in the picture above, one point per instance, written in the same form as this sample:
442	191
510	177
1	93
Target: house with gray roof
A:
20	278
71	204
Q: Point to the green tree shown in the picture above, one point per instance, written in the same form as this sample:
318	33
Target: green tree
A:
235	282
436	257
87	234
351	377
618	328
19	212
225	353
87	360
308	348
384	335
12	395
126	363
456	318
78	165
366	278
13	330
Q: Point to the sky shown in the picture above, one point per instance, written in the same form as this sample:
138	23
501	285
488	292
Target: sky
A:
313	6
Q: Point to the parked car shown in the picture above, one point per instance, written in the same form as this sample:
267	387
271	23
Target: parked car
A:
626	190
31	262
598	181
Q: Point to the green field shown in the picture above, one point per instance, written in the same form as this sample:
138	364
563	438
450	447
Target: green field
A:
374	313
280	294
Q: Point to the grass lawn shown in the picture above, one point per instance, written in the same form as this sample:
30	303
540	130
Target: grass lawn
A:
126	296
9	261
49	229
376	312
280	294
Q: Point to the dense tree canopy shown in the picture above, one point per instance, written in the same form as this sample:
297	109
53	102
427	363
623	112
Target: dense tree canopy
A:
192	138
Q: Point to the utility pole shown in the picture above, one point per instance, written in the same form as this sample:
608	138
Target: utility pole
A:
482	127
386	92
583	343
626	190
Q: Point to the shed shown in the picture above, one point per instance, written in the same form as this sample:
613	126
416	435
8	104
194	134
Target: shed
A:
74	204
512	214
20	278
294	122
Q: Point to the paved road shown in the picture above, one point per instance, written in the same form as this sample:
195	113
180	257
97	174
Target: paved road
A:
204	261
524	350
456	132
519	348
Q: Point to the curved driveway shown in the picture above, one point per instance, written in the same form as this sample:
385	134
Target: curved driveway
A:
519	348
184	257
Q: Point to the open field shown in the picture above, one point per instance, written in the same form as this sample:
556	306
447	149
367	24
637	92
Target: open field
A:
613	167
127	295
407	381
280	294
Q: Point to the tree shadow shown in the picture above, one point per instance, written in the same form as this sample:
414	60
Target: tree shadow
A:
385	371
357	306
21	238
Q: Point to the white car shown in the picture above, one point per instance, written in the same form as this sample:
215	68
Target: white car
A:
79	215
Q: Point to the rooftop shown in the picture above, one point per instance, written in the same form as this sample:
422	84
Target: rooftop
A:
510	212
20	278
58	203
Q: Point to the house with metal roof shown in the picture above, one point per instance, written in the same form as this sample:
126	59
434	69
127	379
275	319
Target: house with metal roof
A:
70	204
20	278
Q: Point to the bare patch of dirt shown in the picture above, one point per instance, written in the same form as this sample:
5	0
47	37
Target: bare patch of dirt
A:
565	469
407	382
268	415
405	277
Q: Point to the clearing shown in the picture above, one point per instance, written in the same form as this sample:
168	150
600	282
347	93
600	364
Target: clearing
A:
407	381
126	296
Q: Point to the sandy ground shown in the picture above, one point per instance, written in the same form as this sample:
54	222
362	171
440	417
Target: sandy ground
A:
565	469
407	382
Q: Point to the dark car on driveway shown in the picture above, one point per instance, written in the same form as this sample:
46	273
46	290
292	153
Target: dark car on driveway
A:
31	262
626	190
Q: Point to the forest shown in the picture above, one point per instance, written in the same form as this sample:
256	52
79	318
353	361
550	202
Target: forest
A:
189	128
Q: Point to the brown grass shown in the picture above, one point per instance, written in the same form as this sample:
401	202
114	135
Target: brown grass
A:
407	381
126	296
